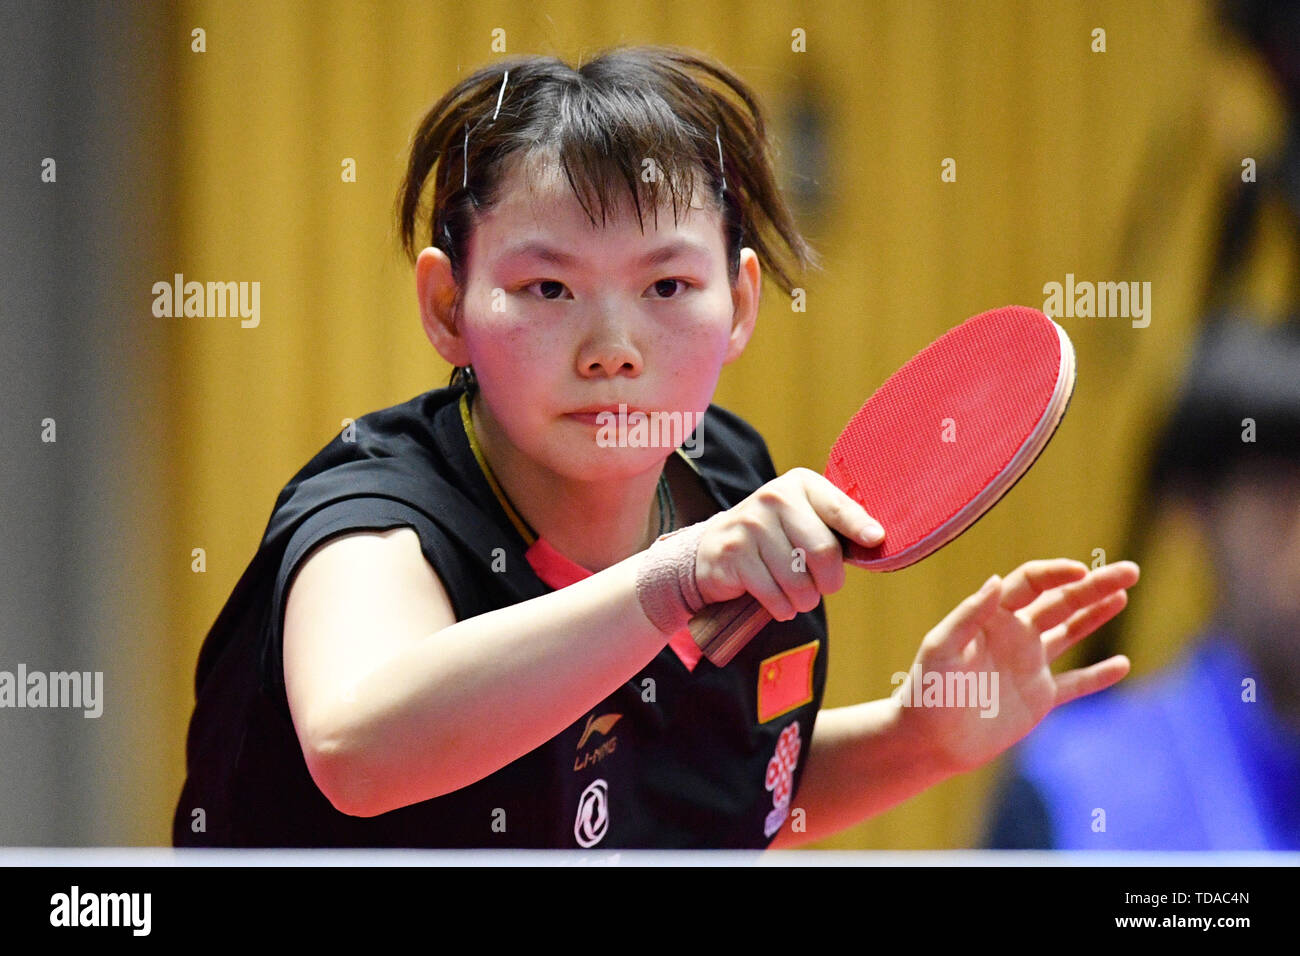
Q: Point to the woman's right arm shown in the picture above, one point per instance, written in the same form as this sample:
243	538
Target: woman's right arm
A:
395	702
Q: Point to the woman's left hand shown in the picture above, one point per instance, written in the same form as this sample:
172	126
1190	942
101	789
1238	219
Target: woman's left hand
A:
1006	638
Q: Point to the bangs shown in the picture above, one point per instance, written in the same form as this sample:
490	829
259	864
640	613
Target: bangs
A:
613	148
647	127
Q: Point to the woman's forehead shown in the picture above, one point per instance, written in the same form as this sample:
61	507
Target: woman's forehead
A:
537	194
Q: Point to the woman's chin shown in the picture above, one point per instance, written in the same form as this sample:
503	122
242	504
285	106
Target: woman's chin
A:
608	464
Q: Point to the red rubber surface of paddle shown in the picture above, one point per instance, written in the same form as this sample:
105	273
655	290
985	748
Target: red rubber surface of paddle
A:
966	387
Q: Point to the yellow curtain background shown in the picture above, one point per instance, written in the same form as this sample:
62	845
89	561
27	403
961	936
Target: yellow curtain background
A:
1052	144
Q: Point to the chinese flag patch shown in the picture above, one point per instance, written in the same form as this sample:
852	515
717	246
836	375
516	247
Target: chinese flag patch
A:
785	681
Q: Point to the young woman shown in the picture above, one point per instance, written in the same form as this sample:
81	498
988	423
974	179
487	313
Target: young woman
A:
465	625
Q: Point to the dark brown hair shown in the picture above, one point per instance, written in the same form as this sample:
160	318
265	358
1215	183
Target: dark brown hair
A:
604	121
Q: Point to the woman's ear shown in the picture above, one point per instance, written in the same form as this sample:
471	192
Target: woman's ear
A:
745	292
436	288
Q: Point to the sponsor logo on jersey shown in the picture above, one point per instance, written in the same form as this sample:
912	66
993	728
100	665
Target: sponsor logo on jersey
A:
592	822
785	681
596	725
780	777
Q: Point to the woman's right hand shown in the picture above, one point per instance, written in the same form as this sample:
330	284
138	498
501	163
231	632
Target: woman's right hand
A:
755	547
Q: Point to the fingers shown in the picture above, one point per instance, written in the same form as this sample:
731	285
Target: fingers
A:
1082	681
755	568
805	559
796	557
1058	596
1082	623
837	510
822	555
951	634
1033	578
1056	605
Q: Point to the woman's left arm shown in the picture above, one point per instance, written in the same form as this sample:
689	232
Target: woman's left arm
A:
861	762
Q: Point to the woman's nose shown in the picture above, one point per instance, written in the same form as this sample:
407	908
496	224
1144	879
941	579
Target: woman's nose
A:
609	351
610	362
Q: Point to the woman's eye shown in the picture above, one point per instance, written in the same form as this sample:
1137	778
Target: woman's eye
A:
668	286
549	288
661	289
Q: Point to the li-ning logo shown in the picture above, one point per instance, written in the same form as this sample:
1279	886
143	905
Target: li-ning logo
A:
592	822
780	777
596	725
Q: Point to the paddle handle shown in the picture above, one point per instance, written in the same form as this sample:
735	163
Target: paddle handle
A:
721	630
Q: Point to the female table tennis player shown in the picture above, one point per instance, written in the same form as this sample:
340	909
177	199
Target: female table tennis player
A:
465	625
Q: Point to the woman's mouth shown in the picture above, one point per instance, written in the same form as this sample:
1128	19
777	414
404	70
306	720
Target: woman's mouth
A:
607	415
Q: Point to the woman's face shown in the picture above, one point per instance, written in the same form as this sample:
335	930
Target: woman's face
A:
560	316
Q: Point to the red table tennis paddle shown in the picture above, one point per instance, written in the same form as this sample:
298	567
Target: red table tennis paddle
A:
934	448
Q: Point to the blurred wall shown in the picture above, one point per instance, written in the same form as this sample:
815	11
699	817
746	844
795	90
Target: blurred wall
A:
1062	167
85	380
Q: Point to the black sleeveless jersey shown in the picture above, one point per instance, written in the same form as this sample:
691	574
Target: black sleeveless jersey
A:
673	758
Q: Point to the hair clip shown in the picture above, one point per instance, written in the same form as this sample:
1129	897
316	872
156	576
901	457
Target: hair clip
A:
718	138
501	94
464	176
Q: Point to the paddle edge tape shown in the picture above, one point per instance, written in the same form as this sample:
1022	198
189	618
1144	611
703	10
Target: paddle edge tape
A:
1018	466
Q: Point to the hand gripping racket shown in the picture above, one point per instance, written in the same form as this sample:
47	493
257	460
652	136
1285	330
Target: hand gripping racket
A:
934	448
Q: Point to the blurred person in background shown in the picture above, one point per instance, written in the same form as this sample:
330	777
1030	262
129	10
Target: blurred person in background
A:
1206	754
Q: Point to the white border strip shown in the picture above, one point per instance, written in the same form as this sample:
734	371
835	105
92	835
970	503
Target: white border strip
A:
168	856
